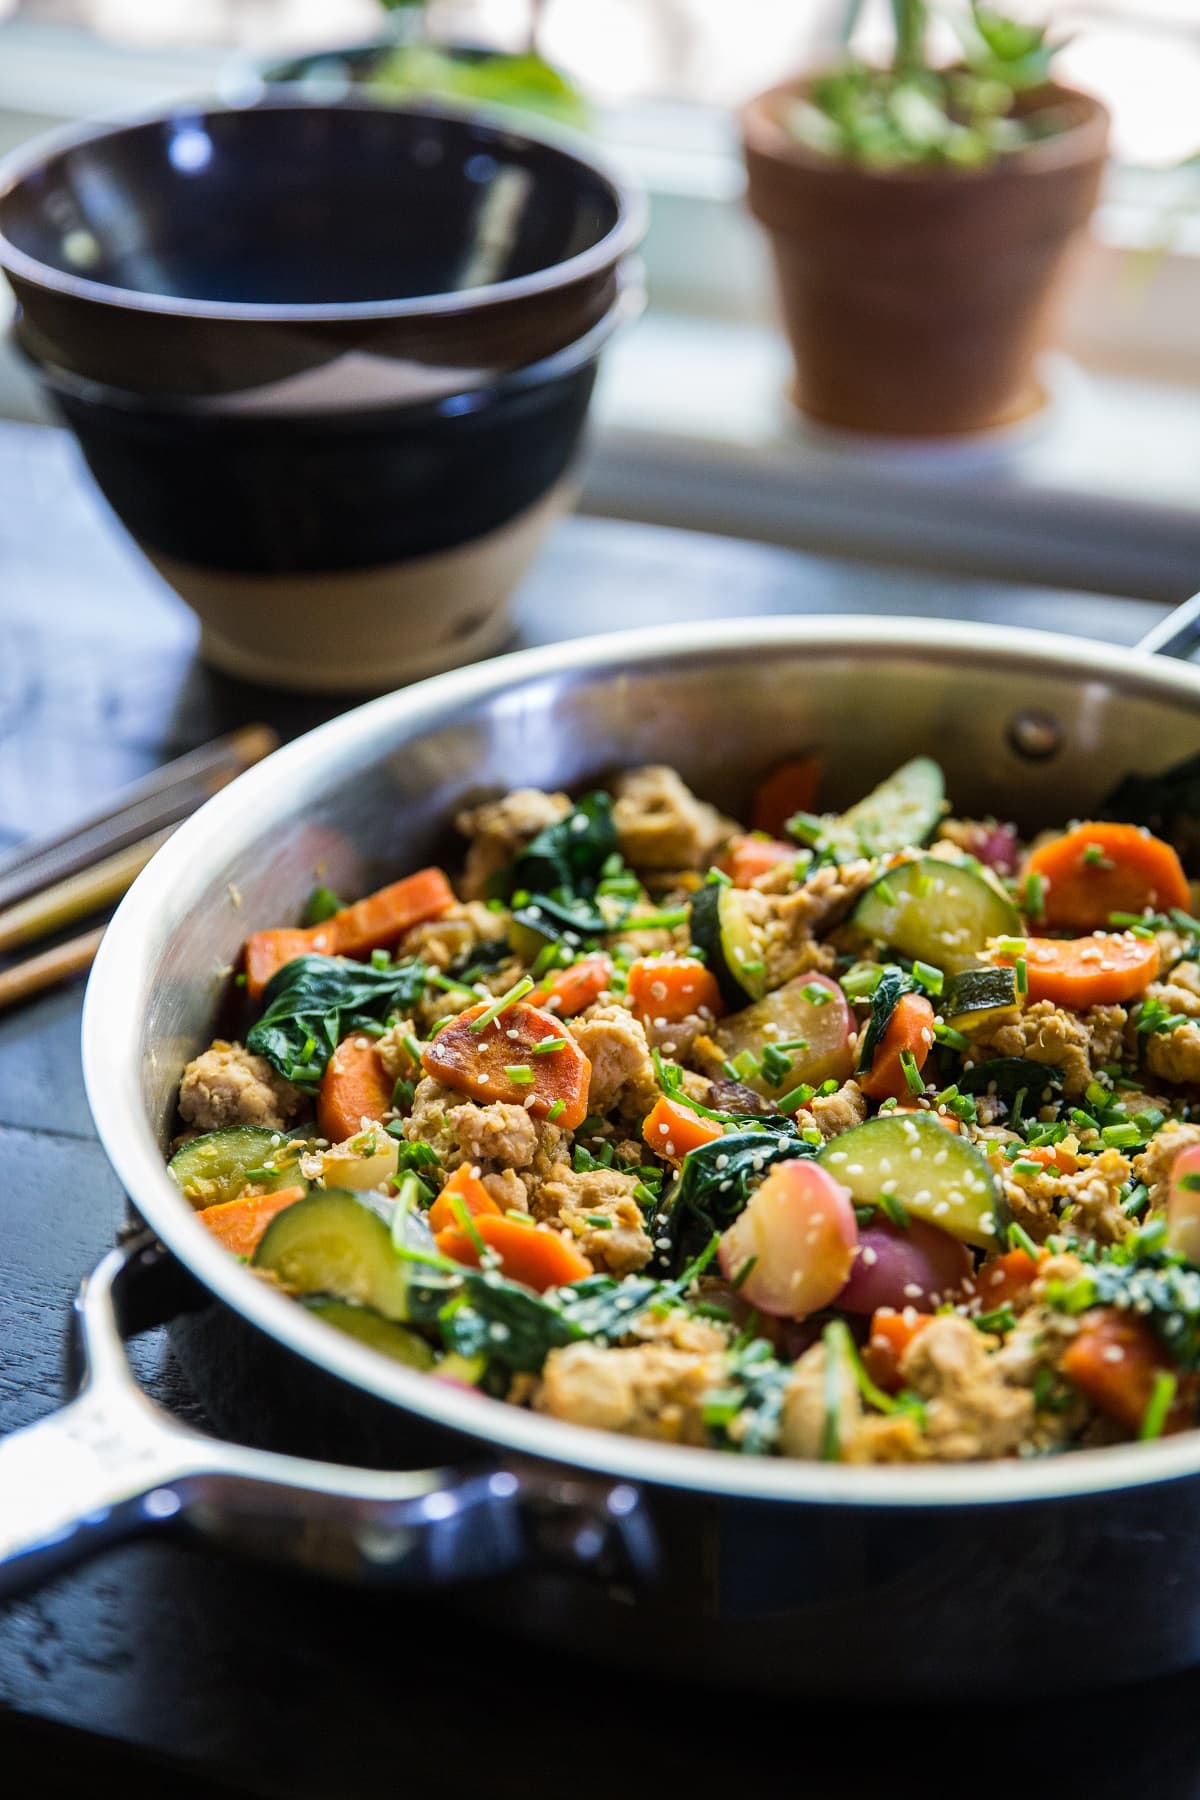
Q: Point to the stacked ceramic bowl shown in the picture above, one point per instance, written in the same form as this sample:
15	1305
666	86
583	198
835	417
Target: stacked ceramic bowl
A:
329	364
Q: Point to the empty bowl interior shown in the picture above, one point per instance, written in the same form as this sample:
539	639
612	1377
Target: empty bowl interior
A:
293	205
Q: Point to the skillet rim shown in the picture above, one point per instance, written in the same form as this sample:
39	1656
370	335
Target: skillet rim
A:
136	1156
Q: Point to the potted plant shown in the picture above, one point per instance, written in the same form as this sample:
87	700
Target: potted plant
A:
409	60
920	217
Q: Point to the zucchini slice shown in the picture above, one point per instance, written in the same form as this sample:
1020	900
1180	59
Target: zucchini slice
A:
721	928
396	1341
935	911
216	1167
934	1174
975	999
897	815
336	1243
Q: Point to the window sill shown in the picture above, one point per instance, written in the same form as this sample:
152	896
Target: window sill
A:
692	426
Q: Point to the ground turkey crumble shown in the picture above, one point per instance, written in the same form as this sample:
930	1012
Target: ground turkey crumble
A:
226	1085
1077	1043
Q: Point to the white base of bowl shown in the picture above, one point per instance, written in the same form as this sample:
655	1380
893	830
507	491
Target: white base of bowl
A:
365	630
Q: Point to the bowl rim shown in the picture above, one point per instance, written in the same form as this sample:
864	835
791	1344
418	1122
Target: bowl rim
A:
273	401
111	1049
29	160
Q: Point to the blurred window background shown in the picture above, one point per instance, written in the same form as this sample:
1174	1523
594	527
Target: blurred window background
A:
1141	56
693	424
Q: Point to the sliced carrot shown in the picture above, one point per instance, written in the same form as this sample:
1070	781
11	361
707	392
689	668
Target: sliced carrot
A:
890	1335
1099	869
1007	1278
789	788
239	1224
568	992
1052	1156
466	1187
672	1130
373	923
909	1028
535	1255
1115	1361
943	1118
504	1062
269	951
748	857
671	988
1086	971
379	920
354	1087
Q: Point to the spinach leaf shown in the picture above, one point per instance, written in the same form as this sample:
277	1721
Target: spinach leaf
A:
1010	1074
752	1395
1164	1292
893	984
560	870
1169	804
488	1315
567	856
314	1001
715	1183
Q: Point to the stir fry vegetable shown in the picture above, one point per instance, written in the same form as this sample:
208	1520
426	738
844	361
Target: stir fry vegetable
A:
869	1135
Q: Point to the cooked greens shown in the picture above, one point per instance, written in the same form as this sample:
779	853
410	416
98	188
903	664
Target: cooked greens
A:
313	1002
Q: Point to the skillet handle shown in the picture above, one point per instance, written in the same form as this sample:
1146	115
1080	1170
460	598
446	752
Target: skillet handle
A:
112	1464
1176	635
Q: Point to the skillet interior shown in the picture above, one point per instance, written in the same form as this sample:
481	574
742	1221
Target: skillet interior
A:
368	795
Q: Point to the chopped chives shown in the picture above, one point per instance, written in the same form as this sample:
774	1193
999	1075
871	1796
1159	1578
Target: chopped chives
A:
598	1221
1019	1239
953	1040
1034	895
816	996
412	1047
1121	1137
1022	972
895	1210
520	1074
1135	1200
516	992
556	1111
886	892
931	979
743	1272
914	1081
1093	856
999	1320
459	1208
548	1046
799	1096
1025	1166
718	878
1158	1407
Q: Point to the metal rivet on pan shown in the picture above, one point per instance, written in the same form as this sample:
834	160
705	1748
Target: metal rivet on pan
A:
1037	736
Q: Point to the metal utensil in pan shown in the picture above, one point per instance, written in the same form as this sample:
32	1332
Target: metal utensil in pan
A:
1020	1575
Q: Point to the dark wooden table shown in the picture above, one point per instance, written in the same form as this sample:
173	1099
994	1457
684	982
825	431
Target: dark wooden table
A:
162	1669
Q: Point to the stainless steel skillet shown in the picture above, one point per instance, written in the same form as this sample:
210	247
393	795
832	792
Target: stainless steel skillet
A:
1026	1575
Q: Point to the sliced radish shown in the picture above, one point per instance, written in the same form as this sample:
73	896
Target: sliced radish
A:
919	1266
1183	1205
791	1250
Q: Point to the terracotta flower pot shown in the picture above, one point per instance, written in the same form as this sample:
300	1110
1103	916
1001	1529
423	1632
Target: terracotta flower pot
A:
916	302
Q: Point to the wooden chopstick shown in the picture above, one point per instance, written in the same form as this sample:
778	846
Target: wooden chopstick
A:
159	800
78	895
37	973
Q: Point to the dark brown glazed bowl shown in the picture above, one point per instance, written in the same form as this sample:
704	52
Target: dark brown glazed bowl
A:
215	250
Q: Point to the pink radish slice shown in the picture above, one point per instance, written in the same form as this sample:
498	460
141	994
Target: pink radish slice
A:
1183	1205
919	1266
791	1250
905	1268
